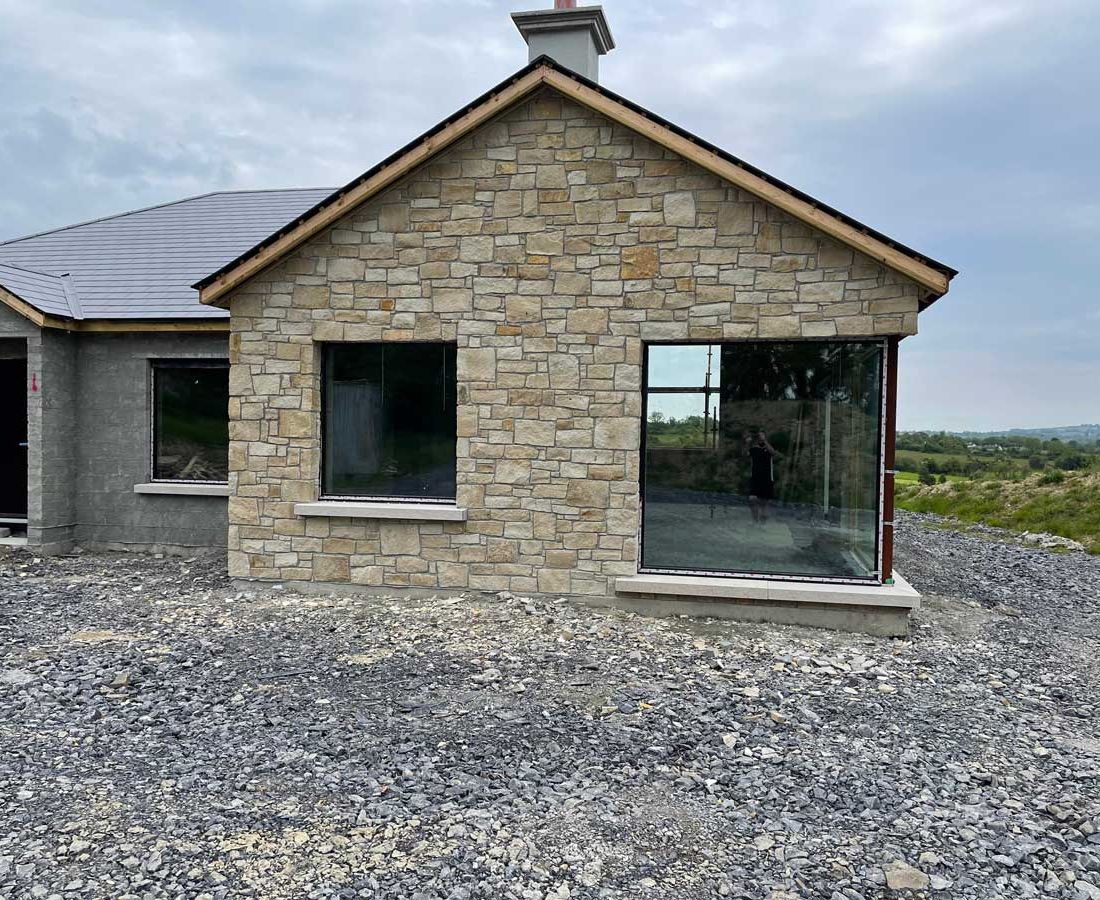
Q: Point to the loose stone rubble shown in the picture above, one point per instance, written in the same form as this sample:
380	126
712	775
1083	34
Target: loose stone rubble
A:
163	735
1052	541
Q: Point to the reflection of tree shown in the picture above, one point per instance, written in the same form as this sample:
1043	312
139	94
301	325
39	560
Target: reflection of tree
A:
818	403
670	431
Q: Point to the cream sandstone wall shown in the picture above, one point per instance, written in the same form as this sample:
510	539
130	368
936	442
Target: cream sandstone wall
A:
549	245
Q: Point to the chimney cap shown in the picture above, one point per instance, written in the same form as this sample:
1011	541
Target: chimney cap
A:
567	18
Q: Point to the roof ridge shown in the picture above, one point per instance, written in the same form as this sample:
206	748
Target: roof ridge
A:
130	212
265	191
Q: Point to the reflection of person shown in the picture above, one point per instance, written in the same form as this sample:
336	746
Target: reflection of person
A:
761	477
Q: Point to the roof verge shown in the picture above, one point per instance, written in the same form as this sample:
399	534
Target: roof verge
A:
934	276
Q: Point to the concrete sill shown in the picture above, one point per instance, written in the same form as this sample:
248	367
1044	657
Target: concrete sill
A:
413	512
899	595
183	489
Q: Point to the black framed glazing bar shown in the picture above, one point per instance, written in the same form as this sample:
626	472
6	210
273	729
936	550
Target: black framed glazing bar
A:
786	482
389	421
190	420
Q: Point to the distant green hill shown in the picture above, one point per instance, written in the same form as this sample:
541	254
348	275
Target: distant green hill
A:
1085	434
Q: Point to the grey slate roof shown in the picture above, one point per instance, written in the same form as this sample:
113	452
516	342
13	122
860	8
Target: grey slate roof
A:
141	264
42	291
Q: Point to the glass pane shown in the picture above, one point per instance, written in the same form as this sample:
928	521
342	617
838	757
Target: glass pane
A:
788	481
683	365
390	420
682	419
191	441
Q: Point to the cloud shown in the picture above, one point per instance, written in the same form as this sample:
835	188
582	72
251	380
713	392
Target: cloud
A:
987	394
964	129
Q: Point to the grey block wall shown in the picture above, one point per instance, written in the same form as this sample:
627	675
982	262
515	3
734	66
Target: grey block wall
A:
51	462
90	437
114	416
54	440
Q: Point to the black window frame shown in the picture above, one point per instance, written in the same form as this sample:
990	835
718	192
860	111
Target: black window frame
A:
160	363
322	472
885	374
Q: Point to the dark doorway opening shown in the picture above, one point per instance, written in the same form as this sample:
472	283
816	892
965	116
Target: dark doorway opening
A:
13	441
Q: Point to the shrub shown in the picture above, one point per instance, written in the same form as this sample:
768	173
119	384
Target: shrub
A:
1052	477
1071	462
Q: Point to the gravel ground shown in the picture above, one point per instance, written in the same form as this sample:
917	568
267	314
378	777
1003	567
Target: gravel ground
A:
162	735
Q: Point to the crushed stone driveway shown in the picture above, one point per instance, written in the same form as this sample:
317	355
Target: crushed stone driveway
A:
165	735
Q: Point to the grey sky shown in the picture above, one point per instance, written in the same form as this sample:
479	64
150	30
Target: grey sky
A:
965	128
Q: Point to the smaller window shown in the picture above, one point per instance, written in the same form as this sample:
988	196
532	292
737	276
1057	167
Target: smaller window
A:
191	420
390	421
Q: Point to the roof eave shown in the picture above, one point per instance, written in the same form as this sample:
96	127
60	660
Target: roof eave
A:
42	319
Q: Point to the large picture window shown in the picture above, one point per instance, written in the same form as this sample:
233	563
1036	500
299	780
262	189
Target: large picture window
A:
191	420
763	458
390	416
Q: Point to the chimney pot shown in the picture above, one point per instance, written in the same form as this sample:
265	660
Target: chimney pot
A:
575	37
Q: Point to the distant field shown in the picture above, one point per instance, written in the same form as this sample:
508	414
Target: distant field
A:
911	460
911	478
1067	505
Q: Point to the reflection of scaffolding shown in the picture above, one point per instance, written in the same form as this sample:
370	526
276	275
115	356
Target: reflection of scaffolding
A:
710	415
706	390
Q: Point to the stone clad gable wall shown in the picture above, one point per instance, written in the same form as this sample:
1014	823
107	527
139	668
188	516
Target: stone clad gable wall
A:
549	245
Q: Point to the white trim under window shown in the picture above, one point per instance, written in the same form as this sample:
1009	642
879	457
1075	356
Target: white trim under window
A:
183	488
411	512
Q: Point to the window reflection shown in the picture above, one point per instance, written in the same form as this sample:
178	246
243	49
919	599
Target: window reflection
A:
390	420
191	420
763	458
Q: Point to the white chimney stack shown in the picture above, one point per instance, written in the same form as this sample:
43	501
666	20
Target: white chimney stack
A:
576	37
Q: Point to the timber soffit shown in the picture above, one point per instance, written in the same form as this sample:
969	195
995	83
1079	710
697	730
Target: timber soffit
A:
934	276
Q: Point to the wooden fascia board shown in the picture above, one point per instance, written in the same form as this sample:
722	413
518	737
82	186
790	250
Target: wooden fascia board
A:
382	179
24	309
43	320
178	327
923	274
